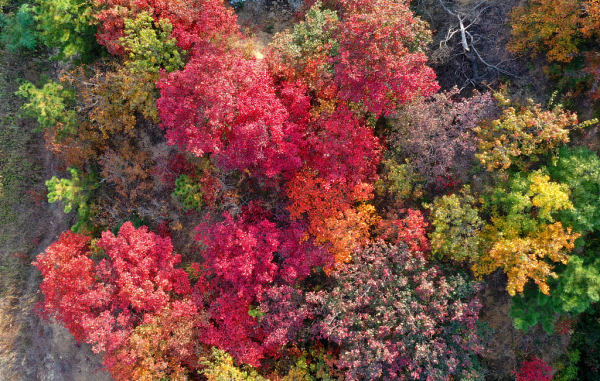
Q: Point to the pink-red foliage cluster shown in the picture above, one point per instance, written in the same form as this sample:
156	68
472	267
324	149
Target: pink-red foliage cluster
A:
249	260
396	317
226	105
102	303
381	61
535	369
409	230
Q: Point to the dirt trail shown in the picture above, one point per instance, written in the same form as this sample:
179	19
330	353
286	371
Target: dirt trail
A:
53	353
30	347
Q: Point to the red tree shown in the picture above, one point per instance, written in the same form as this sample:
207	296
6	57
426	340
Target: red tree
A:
104	303
226	105
381	60
247	260
69	281
341	148
369	52
535	369
195	23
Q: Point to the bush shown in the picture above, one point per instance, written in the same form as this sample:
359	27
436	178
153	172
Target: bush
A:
189	192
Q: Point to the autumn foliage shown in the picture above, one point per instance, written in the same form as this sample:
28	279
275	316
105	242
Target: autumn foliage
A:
535	369
371	53
211	108
324	197
523	231
555	28
195	21
395	317
522	133
240	271
107	302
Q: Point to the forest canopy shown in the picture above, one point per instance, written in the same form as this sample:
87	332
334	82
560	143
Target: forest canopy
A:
315	202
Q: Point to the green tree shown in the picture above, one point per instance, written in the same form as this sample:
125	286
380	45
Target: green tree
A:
575	290
304	54
18	31
149	45
579	168
66	25
189	192
50	105
72	192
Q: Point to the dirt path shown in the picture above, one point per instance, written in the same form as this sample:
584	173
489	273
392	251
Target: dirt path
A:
30	348
53	353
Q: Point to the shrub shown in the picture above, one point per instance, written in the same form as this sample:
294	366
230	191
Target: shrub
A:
457	227
189	192
522	133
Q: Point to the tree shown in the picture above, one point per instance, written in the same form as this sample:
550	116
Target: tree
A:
367	53
105	303
579	168
195	23
189	192
129	171
534	370
330	213
50	105
227	106
523	231
240	272
69	279
547	26
341	148
576	289
149	45
221	367
409	230
400	182
522	133
396	317
436	135
306	53
74	192
381	61
554	28
457	227
533	307
18	30
67	25
163	346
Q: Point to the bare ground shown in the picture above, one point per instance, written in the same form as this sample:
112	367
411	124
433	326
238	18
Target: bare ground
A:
30	347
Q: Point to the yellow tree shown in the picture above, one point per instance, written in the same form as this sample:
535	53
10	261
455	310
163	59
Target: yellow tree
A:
547	26
523	234
522	133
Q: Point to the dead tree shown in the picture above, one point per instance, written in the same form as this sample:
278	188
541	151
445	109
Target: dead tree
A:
469	40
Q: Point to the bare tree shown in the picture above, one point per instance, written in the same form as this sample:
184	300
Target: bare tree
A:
469	40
